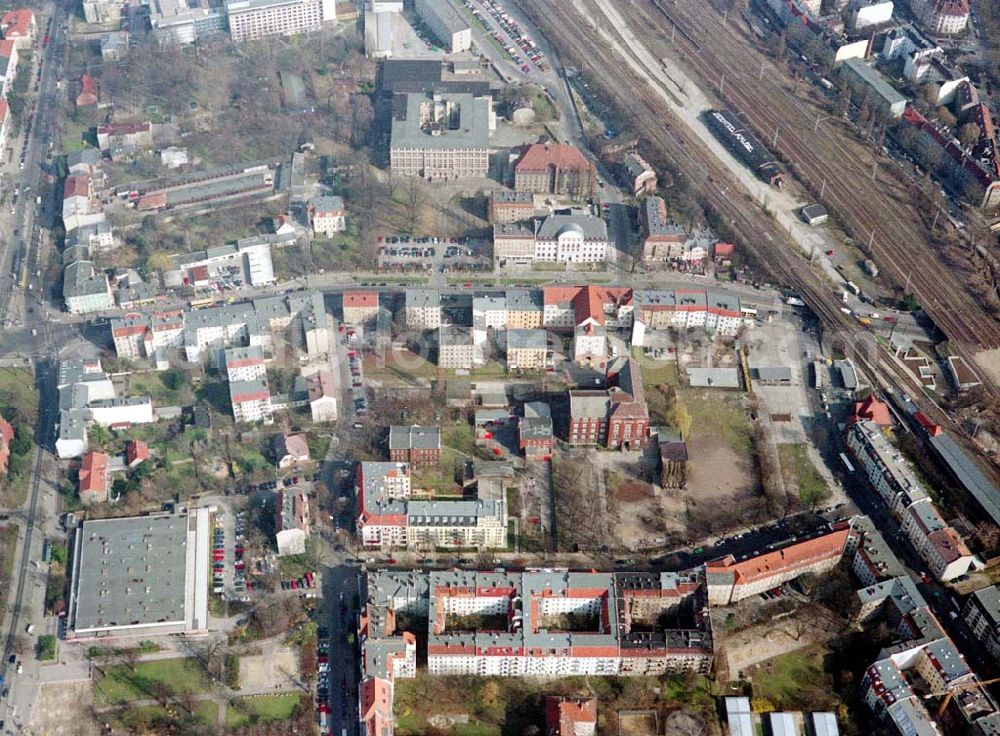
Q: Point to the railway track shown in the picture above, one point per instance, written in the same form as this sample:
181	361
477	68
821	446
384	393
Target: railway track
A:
879	205
565	27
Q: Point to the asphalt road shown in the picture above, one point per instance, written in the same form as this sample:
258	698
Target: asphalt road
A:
25	216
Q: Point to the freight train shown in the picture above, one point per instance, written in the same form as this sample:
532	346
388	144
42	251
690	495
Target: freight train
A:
743	144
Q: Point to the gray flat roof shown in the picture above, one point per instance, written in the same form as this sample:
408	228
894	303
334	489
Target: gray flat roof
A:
131	572
965	469
875	80
470	127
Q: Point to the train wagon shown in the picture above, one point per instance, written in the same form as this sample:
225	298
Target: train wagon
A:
743	144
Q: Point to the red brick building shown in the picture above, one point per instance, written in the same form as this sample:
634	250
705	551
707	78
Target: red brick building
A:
554	168
415	445
614	417
565	716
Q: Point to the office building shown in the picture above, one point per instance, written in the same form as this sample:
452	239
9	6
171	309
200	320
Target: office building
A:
250	20
441	136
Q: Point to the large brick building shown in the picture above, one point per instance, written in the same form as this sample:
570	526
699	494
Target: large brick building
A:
614	417
415	445
555	168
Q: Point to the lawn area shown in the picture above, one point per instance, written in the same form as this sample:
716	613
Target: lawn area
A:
798	470
152	385
17	390
795	681
119	684
403	365
150	717
8	546
460	437
261	709
656	372
718	414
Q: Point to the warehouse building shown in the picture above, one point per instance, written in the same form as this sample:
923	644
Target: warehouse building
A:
446	23
140	576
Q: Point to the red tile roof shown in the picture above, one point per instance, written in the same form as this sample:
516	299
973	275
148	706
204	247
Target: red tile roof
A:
787	559
17	23
135	452
539	156
77	186
7	48
88	91
873	410
360	299
4	111
724	250
6	435
123	128
94	475
563	714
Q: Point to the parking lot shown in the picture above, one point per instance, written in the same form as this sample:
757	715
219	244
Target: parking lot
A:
507	33
404	252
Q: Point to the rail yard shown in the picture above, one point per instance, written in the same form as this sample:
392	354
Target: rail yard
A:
875	201
573	32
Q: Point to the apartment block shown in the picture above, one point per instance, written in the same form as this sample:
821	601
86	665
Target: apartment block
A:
874	561
663	238
938	544
245	364
639	176
251	400
292	522
322	390
982	613
207	330
87	396
555	168
422	309
441	136
730	581
534	430
526	349
127	136
328	215
456	349
94	478
360	307
506	206
389	517
715	312
250	20
540	623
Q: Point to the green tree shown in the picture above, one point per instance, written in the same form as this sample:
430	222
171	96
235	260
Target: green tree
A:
680	418
173	379
99	436
21	444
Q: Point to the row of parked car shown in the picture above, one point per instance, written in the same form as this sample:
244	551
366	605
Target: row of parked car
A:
357	377
513	30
